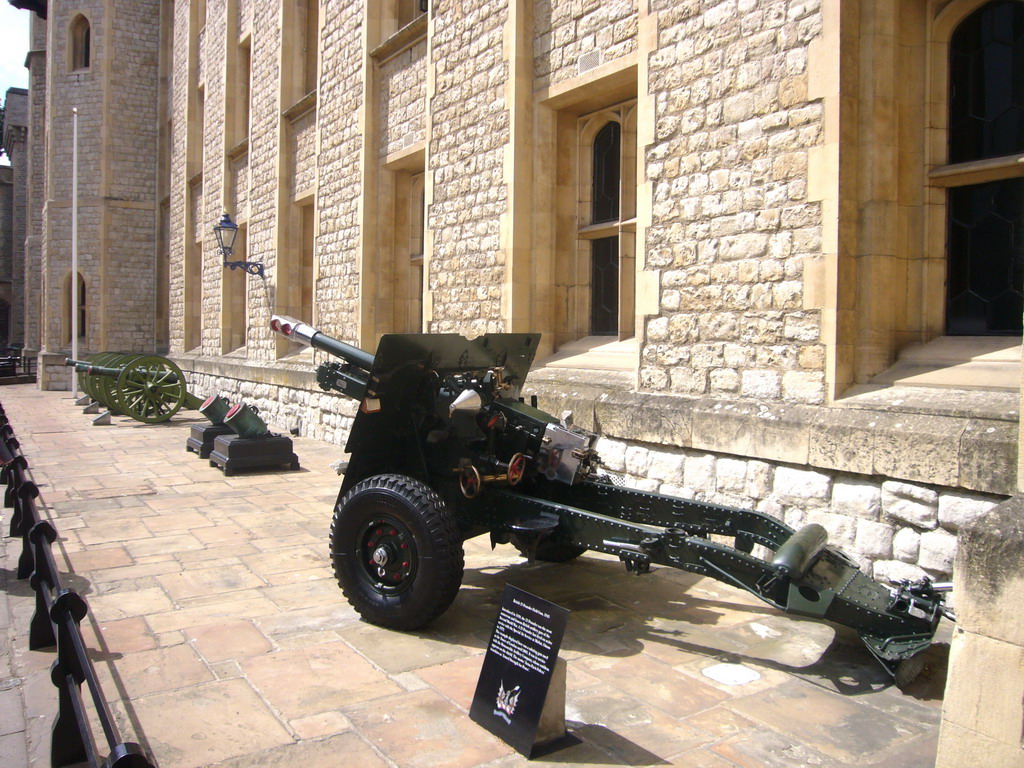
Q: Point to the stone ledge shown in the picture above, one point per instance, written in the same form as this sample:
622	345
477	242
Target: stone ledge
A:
280	373
938	449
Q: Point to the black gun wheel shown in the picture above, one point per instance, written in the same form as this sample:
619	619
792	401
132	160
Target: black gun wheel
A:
397	552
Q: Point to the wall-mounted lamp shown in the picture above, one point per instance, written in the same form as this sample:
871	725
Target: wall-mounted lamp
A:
226	230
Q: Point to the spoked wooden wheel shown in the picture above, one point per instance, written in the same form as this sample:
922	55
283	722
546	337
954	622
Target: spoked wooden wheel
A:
150	389
106	386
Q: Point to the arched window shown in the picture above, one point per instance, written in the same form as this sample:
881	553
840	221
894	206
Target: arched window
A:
985	221
81	41
607	221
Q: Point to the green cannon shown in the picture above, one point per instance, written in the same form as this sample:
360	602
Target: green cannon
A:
149	388
443	449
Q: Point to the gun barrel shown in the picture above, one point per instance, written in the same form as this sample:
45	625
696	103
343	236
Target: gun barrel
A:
83	366
303	333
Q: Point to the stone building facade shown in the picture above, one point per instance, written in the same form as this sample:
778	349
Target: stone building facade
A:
15	141
6	250
74	71
739	284
729	220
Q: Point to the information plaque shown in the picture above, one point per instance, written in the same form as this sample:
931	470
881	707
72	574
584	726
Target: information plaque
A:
518	667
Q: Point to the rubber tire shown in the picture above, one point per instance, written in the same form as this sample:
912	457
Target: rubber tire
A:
908	670
437	546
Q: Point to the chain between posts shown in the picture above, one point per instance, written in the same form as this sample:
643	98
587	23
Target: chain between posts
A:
57	622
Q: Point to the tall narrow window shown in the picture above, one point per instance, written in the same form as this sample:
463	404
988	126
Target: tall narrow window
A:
607	146
308	270
607	220
244	92
68	308
81	42
412	286
604	251
233	298
985	221
311	47
81	307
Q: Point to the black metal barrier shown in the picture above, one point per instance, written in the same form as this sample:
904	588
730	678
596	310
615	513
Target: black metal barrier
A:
56	622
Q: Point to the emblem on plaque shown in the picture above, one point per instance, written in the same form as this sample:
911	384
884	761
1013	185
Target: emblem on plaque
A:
506	702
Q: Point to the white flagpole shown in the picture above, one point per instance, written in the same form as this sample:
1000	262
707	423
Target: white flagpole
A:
74	248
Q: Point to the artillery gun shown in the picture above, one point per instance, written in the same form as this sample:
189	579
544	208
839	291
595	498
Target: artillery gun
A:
443	448
149	388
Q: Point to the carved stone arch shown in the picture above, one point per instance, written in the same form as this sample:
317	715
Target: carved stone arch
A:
79	43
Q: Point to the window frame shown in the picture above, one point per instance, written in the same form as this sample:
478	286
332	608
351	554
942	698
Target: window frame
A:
83	307
623	227
79	44
942	176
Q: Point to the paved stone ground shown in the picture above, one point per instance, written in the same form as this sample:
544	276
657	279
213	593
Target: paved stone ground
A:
221	638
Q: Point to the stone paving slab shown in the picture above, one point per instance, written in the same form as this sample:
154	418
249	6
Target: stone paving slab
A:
221	638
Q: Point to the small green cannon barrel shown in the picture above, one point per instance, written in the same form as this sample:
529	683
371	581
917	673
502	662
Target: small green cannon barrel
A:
215	408
246	422
148	388
98	377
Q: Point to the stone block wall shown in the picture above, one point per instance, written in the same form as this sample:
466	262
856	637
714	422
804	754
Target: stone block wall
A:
983	710
731	220
403	90
895	530
116	99
213	48
339	184
734	341
17	120
132	98
127	296
64	90
179	200
573	38
466	164
238	187
302	147
6	226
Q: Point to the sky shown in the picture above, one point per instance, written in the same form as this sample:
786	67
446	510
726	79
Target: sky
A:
13	49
